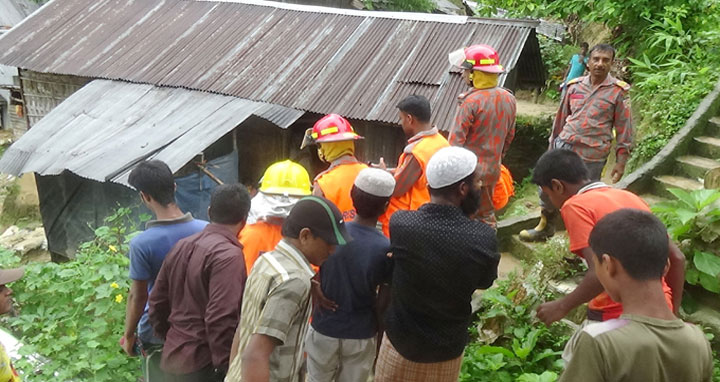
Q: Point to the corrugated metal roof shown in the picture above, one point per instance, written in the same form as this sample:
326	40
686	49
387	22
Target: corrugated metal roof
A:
355	63
102	130
14	11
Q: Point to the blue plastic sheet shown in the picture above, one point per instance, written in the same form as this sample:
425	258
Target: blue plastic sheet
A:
193	191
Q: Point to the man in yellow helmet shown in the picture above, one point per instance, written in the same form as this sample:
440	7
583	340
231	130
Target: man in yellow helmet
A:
283	184
335	138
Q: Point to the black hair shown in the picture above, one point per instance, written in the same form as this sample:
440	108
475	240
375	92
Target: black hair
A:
229	204
416	105
636	238
449	190
155	179
585	45
368	205
560	164
603	48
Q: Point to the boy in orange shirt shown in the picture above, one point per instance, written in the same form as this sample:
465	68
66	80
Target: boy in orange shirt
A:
648	342
582	203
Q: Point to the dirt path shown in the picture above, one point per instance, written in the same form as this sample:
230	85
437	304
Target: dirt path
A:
526	107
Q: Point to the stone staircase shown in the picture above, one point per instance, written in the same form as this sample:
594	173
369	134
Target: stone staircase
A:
689	170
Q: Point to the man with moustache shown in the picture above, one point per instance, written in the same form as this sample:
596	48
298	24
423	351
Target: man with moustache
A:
441	256
592	107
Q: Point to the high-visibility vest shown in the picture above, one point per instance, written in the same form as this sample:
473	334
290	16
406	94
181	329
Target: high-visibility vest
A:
504	189
258	238
418	195
336	184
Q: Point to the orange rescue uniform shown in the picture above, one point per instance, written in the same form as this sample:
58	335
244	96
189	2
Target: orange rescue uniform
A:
258	238
336	183
421	150
504	189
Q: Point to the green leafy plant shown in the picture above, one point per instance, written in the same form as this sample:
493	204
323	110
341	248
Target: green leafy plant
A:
72	313
693	220
508	342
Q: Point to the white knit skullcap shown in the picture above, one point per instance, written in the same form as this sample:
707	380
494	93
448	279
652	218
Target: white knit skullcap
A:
450	165
375	182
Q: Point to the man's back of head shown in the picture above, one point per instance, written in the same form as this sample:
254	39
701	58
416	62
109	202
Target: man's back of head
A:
154	179
371	192
415	114
636	238
229	204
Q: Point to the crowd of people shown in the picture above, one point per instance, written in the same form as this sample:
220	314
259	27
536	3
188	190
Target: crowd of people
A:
369	271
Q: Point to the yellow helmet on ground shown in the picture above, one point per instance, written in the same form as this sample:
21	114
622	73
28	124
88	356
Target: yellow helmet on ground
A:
286	178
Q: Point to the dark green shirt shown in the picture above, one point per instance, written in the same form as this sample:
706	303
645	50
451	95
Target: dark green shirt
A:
637	348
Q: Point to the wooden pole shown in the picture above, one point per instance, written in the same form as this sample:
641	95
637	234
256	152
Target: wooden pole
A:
209	174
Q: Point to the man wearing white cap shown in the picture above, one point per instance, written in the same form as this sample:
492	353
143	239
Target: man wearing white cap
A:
341	343
441	257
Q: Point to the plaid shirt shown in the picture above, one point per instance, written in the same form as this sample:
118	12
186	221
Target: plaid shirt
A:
276	303
587	116
485	125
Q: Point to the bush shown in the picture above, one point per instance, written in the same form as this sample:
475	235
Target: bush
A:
693	220
673	47
555	59
73	313
507	342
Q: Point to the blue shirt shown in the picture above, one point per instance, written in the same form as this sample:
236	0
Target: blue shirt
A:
147	252
350	277
577	67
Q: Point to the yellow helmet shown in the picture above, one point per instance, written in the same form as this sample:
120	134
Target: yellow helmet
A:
286	178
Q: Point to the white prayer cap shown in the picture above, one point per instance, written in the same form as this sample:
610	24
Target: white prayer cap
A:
450	165
375	182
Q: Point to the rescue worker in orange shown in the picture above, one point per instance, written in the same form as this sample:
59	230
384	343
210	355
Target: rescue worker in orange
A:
424	140
282	185
336	145
485	122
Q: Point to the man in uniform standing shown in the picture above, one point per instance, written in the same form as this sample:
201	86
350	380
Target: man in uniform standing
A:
424	140
485	122
592	107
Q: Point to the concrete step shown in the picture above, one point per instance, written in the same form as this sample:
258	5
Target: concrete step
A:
713	127
652	199
708	147
694	166
663	182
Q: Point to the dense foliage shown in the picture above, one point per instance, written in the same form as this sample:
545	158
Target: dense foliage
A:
508	343
693	220
72	313
673	50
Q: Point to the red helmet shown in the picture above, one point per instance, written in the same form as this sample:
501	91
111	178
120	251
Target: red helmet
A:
333	128
483	58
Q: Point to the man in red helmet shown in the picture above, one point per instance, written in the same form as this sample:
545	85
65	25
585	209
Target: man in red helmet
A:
485	122
336	145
